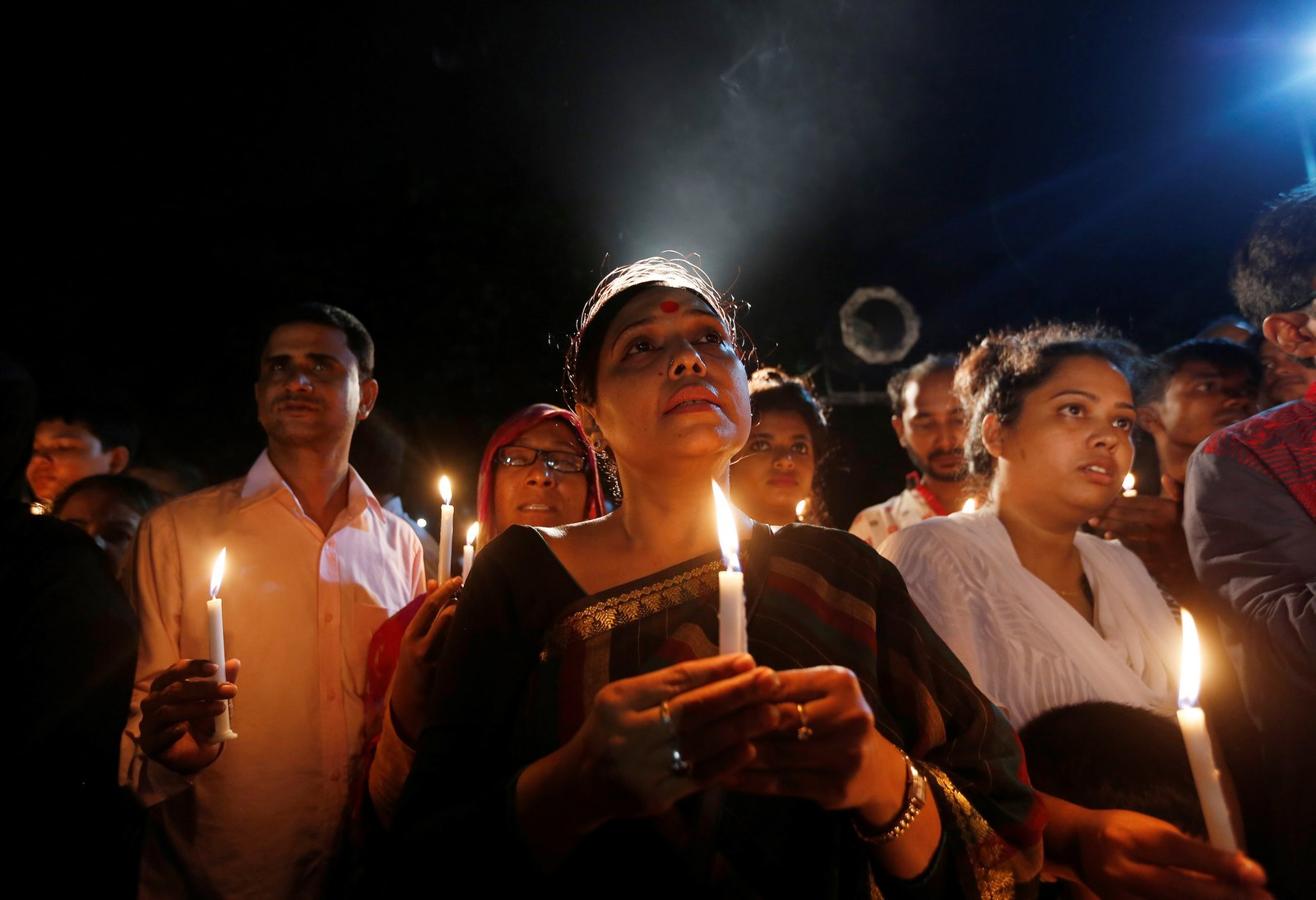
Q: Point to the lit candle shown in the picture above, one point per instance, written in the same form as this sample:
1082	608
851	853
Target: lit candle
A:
215	614
445	530
731	635
1192	722
969	505
800	509
468	549
1129	485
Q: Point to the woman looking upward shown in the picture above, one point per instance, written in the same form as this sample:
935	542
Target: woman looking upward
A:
586	735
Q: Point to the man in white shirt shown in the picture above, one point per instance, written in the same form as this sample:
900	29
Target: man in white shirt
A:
929	424
314	565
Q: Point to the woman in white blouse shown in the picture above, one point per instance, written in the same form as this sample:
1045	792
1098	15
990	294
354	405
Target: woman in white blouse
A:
1041	614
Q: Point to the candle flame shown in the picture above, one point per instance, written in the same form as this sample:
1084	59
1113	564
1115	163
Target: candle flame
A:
472	533
1190	663
217	573
800	509
445	490
726	531
1129	482
969	505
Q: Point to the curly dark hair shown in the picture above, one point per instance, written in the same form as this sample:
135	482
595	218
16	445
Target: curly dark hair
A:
1000	371
1275	269
773	390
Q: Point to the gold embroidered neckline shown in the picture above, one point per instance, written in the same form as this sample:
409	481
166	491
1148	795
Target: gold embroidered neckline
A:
633	605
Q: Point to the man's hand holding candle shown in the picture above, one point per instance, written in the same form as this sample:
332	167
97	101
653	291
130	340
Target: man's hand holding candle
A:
178	715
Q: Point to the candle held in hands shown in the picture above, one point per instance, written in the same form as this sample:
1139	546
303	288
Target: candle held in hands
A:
1196	737
445	530
215	615
1130	485
468	549
731	628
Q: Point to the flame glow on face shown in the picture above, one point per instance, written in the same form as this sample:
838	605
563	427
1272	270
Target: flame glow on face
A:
472	533
726	531
445	490
217	573
1190	663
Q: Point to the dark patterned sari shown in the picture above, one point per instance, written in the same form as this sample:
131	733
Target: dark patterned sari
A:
529	650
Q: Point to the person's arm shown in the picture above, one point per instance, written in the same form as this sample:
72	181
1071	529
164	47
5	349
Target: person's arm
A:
1122	854
1252	543
173	700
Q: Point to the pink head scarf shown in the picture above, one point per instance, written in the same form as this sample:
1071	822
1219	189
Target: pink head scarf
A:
516	425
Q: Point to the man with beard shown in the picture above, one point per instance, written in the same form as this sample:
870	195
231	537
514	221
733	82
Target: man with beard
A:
930	426
314	566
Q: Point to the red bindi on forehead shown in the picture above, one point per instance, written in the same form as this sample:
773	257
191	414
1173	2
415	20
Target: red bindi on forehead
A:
669	306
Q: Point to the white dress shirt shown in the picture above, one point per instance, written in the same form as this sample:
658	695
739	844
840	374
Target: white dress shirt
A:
300	608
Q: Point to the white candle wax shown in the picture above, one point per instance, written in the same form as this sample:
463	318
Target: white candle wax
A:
445	530
1197	740
468	559
1210	793
215	613
445	543
731	634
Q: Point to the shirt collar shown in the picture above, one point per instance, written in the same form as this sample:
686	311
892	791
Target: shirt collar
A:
263	480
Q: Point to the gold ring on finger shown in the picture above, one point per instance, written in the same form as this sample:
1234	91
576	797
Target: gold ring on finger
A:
804	732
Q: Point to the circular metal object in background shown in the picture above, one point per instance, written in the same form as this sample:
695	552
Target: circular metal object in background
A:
867	341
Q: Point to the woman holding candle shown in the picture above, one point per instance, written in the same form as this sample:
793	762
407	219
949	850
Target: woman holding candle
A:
538	468
1041	614
586	734
778	466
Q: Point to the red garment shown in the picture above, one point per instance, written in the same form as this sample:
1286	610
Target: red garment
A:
1280	443
915	481
386	645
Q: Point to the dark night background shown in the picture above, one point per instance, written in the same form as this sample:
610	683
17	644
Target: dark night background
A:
459	175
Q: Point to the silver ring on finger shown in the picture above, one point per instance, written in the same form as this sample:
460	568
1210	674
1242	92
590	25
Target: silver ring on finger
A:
804	732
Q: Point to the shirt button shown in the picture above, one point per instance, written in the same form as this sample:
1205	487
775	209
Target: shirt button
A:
328	618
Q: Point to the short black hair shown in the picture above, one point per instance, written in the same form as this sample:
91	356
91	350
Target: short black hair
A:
1106	755
933	362
1225	355
359	340
110	421
132	492
1228	320
1275	269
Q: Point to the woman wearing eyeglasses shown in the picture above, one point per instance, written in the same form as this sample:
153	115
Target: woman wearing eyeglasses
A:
537	469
